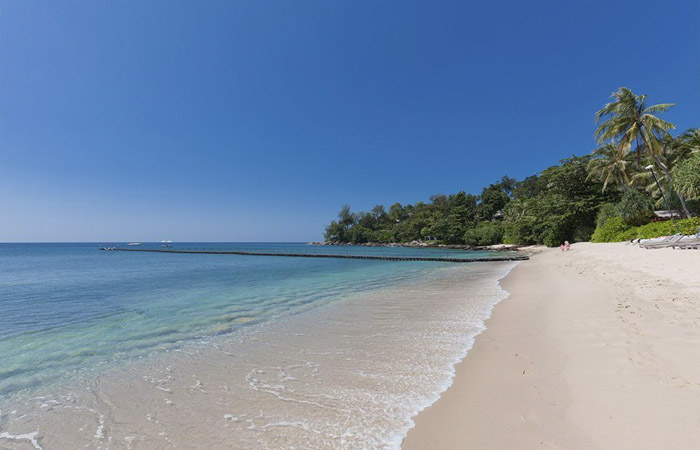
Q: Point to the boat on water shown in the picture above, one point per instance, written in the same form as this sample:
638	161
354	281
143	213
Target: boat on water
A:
135	243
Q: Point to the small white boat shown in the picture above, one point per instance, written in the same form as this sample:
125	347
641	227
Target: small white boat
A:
135	243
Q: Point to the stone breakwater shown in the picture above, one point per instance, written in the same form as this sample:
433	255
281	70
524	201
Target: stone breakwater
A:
328	255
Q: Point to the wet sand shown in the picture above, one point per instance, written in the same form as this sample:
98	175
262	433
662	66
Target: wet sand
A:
594	348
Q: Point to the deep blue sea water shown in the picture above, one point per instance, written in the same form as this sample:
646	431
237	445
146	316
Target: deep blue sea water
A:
70	307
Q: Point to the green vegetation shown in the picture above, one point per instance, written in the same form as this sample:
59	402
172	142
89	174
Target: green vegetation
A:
484	233
686	177
616	230
634	208
606	196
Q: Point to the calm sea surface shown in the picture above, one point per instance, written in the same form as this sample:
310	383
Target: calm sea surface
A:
70	315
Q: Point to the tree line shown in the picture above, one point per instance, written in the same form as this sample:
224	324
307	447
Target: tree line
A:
568	201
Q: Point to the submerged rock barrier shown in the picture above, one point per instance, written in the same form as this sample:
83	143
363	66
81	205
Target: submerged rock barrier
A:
327	255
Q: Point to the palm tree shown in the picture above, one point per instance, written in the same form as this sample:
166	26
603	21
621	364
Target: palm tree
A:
686	177
690	140
611	163
629	119
673	151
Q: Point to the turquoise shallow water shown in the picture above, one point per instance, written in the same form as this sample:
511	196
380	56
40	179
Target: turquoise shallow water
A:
103	349
70	307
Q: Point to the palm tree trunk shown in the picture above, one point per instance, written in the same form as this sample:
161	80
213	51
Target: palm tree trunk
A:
638	151
667	175
623	185
685	208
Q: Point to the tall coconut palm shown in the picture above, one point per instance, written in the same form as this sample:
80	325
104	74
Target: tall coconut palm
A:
673	151
686	176
611	163
628	119
690	140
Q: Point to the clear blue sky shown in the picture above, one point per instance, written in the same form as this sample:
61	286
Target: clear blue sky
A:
256	120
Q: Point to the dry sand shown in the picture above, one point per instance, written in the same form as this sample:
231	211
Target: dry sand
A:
598	347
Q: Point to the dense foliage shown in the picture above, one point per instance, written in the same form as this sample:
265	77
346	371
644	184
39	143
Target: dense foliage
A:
446	218
559	204
686	177
611	191
616	230
634	208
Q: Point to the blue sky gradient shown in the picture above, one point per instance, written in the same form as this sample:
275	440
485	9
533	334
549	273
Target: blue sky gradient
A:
256	120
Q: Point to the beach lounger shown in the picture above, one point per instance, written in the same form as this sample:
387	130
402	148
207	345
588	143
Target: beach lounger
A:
666	242
689	242
676	241
685	244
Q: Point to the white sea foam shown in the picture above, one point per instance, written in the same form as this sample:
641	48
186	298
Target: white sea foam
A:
100	433
355	377
478	326
31	437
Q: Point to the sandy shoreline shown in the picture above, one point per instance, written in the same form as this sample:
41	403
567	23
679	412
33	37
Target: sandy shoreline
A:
595	348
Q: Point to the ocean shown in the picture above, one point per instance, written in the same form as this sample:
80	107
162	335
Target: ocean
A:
106	349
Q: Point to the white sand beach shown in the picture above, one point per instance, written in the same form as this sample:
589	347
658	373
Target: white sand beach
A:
595	348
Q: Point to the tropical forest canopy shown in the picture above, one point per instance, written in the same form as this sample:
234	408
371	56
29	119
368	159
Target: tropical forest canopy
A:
609	194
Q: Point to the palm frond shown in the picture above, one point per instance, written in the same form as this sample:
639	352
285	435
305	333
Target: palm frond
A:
611	163
661	107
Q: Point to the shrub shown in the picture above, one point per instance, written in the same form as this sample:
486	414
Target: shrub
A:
520	230
484	233
611	231
657	229
616	230
606	212
583	232
635	208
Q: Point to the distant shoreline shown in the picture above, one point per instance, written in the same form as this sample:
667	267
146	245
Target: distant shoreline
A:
423	244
